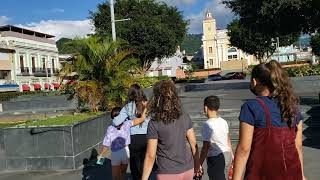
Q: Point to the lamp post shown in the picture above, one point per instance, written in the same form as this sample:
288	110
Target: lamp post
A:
113	21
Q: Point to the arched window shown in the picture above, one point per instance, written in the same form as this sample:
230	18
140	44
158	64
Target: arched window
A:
230	50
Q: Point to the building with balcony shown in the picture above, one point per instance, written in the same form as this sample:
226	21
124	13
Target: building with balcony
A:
6	73
33	55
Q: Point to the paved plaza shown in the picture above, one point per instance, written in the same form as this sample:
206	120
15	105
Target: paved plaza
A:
231	100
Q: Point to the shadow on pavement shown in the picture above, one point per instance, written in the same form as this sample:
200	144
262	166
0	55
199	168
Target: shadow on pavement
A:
312	123
93	171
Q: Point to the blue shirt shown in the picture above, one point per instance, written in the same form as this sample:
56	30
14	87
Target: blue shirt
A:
128	112
253	113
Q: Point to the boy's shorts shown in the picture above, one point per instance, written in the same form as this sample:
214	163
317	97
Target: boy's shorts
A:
218	166
120	157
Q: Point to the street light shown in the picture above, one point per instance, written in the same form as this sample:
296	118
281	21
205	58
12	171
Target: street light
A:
113	21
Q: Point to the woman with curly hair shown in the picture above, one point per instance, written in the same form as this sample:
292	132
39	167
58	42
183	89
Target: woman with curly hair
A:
169	128
270	143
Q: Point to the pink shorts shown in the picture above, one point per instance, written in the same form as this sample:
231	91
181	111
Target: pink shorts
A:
188	175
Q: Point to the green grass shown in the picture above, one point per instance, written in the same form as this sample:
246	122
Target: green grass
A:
57	121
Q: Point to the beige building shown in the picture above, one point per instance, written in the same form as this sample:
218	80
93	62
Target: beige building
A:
30	58
217	51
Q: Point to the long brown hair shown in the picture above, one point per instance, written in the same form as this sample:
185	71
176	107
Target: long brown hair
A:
165	105
273	76
136	95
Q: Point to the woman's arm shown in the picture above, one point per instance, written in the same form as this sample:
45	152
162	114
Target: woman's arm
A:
299	146
140	120
149	158
194	148
230	146
123	115
204	151
243	150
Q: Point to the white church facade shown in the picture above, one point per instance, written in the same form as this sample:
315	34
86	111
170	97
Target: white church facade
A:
217	52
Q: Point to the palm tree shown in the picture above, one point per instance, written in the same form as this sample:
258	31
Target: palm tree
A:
103	68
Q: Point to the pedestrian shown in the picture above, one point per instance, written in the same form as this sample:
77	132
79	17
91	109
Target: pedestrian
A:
270	143
132	110
117	139
169	131
216	146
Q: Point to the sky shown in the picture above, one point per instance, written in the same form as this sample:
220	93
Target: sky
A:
69	18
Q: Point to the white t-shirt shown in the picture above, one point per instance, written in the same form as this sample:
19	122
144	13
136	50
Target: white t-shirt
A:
215	131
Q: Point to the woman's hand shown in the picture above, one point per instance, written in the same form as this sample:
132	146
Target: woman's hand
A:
198	172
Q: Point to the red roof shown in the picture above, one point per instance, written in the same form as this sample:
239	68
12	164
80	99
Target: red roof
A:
25	87
37	86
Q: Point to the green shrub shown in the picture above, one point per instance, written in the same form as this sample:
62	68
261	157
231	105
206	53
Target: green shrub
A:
148	82
296	62
303	71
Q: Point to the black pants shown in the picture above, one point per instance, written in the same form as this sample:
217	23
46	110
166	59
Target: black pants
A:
137	149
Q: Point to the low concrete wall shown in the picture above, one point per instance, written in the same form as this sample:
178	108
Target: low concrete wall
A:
51	148
310	84
234	64
31	103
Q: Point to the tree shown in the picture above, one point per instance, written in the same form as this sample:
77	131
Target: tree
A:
155	29
256	43
277	18
315	44
103	68
64	47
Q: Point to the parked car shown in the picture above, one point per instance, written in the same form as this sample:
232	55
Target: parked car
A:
214	77
234	75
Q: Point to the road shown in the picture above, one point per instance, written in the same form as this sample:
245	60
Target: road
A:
231	101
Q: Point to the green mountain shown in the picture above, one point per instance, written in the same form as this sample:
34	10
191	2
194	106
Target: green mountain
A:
192	43
63	47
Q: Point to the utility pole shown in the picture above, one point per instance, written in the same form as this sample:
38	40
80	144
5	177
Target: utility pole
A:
278	45
113	21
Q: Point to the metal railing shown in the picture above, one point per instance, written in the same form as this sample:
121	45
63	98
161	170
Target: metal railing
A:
41	72
24	71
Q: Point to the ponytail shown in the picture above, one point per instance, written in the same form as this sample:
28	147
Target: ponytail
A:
283	91
273	76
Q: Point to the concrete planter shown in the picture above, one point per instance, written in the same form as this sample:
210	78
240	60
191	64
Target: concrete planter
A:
51	148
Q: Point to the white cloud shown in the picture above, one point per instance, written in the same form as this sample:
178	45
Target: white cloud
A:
222	14
61	28
57	10
176	2
4	20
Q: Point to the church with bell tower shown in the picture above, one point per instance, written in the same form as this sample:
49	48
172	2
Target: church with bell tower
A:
217	52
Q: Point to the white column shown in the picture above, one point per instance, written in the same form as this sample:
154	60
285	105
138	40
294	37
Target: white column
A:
38	61
28	62
205	58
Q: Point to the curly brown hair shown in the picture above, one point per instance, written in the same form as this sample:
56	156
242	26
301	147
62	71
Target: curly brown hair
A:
273	76
165	104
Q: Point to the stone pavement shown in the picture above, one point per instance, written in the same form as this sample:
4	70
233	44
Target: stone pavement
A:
231	101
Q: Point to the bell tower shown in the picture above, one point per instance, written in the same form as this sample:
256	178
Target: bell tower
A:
209	26
209	41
